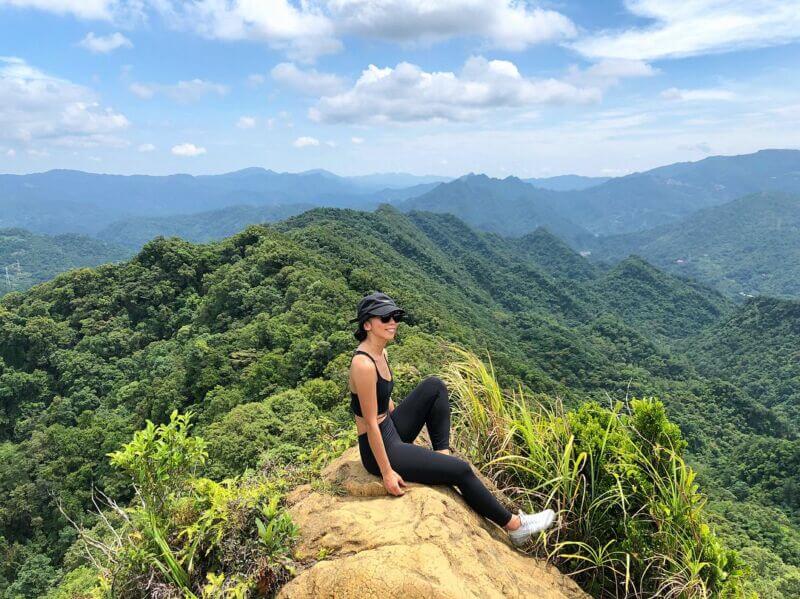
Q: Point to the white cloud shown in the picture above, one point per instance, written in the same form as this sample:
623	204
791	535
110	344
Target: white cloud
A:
146	148
103	45
35	106
307	29
246	122
609	71
255	80
331	143
307	81
83	9
302	142
11	152
183	92
303	31
692	95
701	147
187	149
143	91
506	24
357	140
125	13
789	112
406	93
684	28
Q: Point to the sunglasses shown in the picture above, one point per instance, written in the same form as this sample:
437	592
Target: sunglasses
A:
398	317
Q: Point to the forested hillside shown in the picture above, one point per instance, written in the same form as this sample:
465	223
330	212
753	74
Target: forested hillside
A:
745	247
199	227
251	333
666	194
506	206
27	258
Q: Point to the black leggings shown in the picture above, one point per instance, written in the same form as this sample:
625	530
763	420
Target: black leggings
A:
429	404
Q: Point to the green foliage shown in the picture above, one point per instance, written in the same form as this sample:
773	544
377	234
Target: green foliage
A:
632	519
33	258
191	535
276	429
160	460
255	326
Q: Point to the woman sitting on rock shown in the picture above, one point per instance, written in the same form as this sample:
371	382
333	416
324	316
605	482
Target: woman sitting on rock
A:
386	434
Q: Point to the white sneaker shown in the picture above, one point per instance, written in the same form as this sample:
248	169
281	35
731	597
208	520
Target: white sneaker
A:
531	524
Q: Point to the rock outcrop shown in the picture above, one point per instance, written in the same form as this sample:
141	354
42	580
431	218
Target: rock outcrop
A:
357	541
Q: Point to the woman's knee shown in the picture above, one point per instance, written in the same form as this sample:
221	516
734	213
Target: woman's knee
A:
461	469
437	384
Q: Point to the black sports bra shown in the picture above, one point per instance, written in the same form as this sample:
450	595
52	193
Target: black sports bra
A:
384	389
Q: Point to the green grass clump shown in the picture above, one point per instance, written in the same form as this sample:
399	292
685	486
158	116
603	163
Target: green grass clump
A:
631	518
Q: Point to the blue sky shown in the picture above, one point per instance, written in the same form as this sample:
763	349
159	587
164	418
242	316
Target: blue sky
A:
360	86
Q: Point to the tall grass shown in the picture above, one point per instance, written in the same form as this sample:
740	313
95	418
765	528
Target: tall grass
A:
631	518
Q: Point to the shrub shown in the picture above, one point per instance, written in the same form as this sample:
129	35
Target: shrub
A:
631	517
189	536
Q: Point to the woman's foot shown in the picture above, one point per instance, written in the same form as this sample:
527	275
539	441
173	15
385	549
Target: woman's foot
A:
531	524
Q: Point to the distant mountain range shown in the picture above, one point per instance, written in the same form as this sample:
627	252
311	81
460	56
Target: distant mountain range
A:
636	202
62	201
505	206
567	182
689	218
667	194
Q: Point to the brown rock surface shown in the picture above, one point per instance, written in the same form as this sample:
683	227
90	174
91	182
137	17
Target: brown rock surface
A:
426	543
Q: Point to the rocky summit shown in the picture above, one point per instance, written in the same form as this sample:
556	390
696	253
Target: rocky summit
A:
356	540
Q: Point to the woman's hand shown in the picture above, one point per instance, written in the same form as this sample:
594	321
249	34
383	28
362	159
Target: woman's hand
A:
392	482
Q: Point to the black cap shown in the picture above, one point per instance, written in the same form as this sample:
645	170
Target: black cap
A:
375	304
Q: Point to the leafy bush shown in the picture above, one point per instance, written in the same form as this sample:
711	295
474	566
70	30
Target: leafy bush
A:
189	536
632	521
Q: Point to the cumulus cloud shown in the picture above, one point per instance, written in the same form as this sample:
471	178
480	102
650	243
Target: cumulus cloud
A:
104	44
302	31
307	29
506	24
406	93
357	140
701	95
146	148
303	142
246	122
187	149
307	81
683	28
38	107
183	92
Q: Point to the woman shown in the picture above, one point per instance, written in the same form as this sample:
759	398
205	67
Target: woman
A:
386	434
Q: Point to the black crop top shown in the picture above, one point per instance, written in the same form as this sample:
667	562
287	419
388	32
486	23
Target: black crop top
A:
384	390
